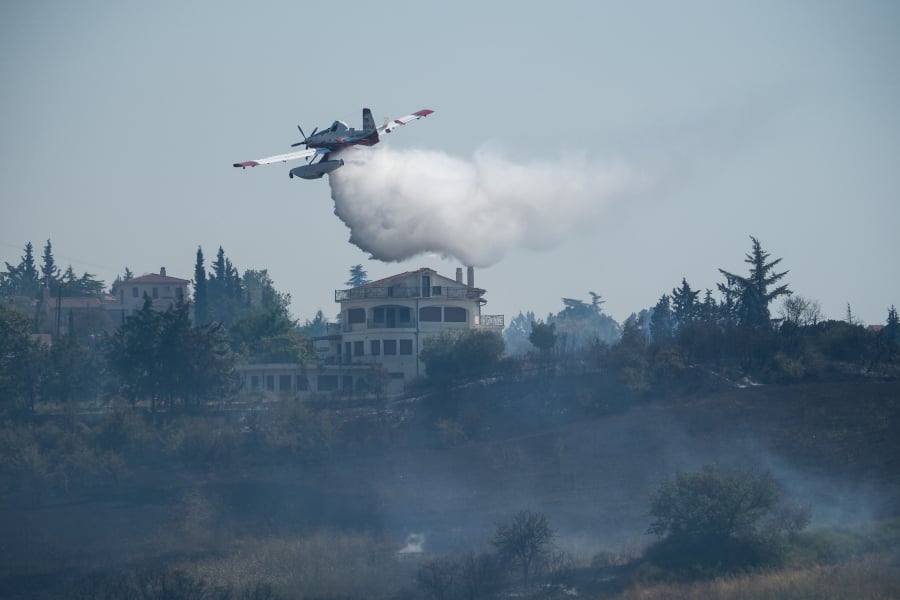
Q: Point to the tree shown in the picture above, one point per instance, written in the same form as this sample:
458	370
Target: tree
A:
717	520
49	270
452	357
753	293
358	276
315	327
515	336
685	306
524	541
161	357
543	336
22	363
201	294
579	324
661	321
23	279
436	577
799	311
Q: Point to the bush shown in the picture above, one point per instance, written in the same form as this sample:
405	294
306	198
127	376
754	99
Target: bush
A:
719	521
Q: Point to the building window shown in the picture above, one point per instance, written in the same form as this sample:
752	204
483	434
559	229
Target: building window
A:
405	346
302	383
134	292
454	314
358	349
390	347
375	347
436	290
403	314
430	314
426	286
155	293
356	315
270	383
378	314
347	350
254	382
348	383
284	383
327	383
179	293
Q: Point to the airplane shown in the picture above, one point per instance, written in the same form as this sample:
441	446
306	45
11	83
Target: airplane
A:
320	145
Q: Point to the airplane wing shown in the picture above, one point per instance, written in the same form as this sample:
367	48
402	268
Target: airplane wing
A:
390	125
281	157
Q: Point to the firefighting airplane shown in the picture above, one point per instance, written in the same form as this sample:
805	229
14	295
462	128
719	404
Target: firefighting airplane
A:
320	145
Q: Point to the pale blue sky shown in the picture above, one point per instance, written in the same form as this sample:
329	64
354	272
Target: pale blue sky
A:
780	120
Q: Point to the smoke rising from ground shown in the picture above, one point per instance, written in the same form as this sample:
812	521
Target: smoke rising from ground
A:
400	204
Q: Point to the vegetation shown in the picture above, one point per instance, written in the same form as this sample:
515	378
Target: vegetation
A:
718	521
235	490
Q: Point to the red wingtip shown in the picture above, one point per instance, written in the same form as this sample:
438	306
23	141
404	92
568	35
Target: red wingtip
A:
249	163
424	112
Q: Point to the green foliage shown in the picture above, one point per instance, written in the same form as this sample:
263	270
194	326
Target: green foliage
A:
515	336
749	297
22	279
160	356
580	325
524	541
358	276
453	357
717	521
267	334
23	361
543	335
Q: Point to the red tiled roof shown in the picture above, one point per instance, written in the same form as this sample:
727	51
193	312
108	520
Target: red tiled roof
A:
382	282
156	278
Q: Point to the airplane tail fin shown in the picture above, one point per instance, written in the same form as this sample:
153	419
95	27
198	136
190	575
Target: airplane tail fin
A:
368	121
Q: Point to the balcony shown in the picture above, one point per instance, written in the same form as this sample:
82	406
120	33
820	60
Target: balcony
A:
489	321
379	292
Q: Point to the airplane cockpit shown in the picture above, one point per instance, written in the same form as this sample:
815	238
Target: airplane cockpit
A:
338	126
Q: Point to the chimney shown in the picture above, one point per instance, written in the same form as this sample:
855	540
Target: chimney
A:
470	277
162	271
458	274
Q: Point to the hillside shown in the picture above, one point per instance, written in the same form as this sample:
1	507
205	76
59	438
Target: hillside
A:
449	468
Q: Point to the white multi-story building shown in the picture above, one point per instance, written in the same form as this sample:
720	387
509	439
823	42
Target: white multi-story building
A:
382	329
162	289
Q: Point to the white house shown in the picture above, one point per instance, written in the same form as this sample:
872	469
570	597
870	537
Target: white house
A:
163	291
382	329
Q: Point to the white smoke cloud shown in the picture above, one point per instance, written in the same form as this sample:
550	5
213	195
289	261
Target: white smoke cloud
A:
400	204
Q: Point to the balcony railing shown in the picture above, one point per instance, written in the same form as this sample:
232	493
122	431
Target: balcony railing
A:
368	292
492	321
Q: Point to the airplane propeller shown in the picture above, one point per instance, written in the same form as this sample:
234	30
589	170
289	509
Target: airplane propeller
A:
305	139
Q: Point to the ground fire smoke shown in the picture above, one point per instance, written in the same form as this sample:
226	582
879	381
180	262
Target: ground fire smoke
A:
399	204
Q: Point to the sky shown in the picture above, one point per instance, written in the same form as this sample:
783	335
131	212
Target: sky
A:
575	147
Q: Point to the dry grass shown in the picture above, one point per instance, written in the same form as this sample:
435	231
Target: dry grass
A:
873	578
332	564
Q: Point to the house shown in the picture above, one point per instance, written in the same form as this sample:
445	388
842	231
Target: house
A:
162	289
382	329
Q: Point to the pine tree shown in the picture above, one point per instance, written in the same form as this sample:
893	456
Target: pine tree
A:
23	279
49	270
753	291
661	323
684	304
358	276
201	299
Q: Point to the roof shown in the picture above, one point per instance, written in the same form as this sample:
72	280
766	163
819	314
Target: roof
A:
386	280
157	278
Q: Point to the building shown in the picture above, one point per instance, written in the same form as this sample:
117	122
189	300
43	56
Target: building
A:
163	291
382	329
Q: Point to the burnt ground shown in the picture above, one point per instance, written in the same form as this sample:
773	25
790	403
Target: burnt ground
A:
834	446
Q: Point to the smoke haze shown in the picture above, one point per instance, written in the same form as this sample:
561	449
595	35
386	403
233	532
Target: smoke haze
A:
400	204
